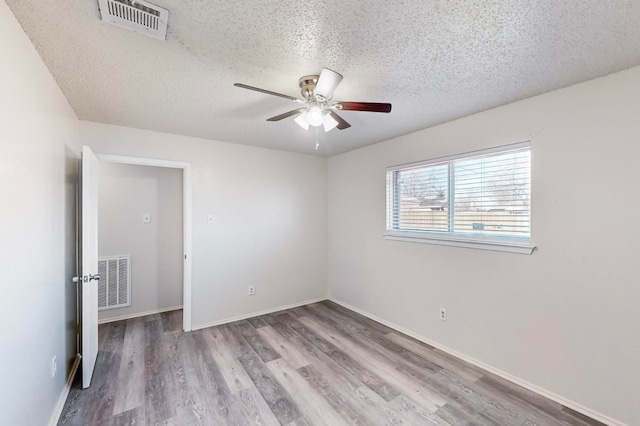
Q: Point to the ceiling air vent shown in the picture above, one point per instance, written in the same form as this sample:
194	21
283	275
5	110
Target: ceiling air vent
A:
136	15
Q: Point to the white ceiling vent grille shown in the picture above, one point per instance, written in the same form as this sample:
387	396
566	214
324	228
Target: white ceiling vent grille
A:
136	15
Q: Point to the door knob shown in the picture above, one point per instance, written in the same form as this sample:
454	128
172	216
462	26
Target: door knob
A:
86	278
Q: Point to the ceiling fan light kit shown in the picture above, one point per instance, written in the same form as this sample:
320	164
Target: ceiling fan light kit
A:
328	122
316	117
314	114
302	120
317	92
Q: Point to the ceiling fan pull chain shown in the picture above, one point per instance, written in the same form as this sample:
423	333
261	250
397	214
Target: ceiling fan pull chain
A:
317	144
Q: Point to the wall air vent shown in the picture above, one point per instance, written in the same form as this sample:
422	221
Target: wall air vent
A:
114	286
136	15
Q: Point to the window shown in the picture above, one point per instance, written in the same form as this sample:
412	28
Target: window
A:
481	199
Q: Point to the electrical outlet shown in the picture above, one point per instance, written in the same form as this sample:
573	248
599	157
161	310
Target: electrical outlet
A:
252	290
54	367
443	314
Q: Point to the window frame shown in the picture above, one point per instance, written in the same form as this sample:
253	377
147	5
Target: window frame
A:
521	245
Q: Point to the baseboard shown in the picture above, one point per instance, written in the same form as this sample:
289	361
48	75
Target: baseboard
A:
256	314
534	388
139	314
57	411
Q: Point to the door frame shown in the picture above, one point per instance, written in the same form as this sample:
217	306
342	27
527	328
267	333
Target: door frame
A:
186	219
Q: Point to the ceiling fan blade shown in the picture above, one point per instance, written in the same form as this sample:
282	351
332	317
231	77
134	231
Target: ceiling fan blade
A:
286	114
342	124
268	92
362	106
327	83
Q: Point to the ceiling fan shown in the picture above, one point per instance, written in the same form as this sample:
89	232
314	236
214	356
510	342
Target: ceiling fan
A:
317	91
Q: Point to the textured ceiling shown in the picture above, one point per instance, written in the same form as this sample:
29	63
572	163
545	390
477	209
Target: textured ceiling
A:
433	60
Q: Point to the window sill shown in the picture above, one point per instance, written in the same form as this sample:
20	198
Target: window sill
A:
460	242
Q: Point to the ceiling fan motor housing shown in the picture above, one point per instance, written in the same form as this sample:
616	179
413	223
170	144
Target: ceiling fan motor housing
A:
308	86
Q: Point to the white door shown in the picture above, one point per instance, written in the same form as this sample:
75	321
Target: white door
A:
89	261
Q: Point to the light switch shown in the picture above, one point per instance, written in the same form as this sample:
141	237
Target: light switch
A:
146	218
210	219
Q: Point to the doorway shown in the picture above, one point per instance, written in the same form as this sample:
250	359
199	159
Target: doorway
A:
186	219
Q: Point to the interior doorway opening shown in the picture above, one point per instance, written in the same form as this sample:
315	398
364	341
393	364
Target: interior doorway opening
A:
186	220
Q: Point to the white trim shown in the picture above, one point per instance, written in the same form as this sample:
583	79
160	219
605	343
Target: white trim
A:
186	214
186	242
139	314
478	153
534	388
139	161
414	237
57	411
256	314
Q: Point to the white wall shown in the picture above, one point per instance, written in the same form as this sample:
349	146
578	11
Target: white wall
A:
38	168
566	318
126	192
270	225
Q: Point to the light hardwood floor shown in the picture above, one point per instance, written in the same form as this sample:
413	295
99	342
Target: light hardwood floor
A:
316	365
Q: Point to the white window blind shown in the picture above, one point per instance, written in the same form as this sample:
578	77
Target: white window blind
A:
483	196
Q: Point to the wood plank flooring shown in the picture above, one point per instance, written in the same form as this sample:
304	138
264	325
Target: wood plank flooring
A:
320	364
